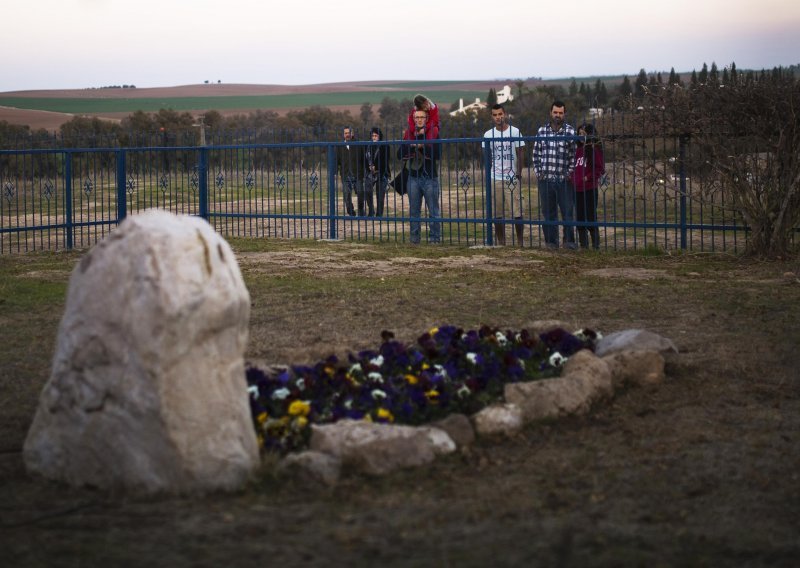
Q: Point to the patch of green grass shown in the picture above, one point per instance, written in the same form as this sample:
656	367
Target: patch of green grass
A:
84	106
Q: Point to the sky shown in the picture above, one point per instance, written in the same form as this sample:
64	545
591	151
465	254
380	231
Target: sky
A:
66	44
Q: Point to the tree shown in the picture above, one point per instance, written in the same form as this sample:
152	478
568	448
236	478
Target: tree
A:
625	89
713	75
366	114
703	76
573	88
491	98
641	84
748	134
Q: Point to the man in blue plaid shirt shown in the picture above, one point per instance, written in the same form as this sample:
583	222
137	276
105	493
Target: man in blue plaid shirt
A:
553	162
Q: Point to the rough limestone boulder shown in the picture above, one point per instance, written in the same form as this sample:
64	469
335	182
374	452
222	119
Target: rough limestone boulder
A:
585	380
377	449
636	368
312	468
147	390
498	419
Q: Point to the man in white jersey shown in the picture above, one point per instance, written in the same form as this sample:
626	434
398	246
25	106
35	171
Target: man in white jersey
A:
508	157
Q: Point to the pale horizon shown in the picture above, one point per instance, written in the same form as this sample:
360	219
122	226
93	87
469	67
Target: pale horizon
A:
82	44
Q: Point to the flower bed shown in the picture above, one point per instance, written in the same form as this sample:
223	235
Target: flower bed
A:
448	370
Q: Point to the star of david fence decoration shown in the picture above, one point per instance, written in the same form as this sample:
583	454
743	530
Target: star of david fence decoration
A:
313	180
9	191
88	186
220	180
249	180
194	181
163	183
280	181
130	185
464	180
48	189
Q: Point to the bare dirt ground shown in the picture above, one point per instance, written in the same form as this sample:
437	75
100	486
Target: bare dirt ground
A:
701	471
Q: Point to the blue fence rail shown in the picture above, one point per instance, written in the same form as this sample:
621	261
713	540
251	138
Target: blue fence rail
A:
66	198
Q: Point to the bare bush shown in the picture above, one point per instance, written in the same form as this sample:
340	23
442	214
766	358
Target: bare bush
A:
747	135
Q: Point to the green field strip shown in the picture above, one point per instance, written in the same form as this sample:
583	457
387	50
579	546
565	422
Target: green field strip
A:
87	106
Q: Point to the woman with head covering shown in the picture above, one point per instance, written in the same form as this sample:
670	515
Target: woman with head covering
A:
377	174
589	169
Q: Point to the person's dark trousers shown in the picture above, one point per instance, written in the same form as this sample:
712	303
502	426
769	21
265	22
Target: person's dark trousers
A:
380	195
586	210
349	185
364	194
555	195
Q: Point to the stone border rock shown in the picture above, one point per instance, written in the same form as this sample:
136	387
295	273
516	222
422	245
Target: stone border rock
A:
629	358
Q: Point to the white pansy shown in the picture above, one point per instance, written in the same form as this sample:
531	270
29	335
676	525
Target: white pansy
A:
501	338
377	361
472	358
521	363
348	404
253	391
463	391
518	338
581	334
377	393
599	335
556	359
301	384
375	377
356	368
441	371
280	394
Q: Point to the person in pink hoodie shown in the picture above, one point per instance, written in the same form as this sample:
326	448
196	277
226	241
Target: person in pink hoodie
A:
421	102
589	169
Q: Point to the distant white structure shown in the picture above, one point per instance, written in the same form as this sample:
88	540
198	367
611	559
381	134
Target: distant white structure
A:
595	112
503	96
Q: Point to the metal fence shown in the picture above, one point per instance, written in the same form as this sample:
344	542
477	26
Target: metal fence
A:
71	197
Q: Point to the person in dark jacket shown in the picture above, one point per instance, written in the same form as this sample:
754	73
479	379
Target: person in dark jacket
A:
589	169
378	171
422	161
350	165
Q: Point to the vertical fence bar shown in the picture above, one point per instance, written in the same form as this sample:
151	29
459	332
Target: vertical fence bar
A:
331	192
122	202
487	168
202	182
682	165
68	199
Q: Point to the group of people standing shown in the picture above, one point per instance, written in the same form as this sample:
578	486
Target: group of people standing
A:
568	175
568	172
366	170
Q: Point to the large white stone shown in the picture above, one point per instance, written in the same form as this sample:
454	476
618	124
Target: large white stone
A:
147	390
378	449
634	340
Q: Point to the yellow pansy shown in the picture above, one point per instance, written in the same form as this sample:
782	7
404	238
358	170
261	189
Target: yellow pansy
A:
299	408
385	414
261	418
412	380
433	331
